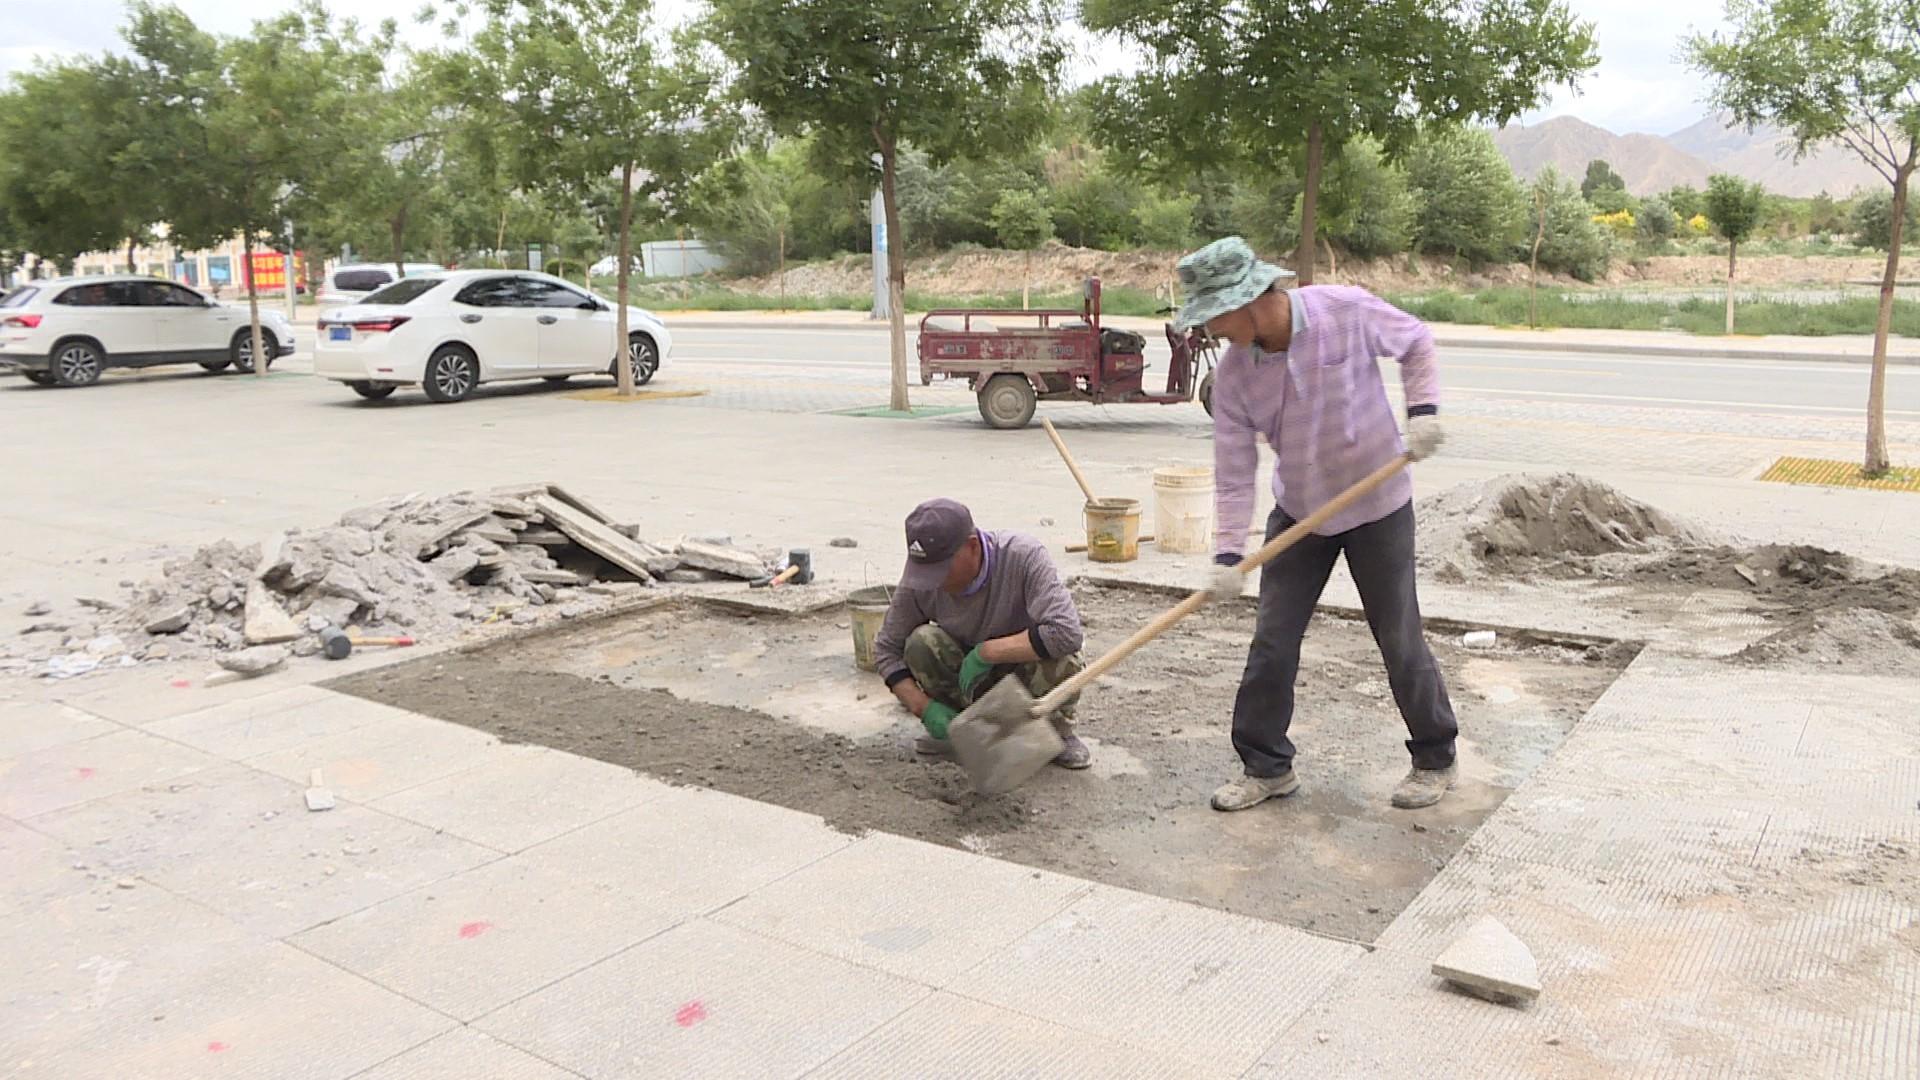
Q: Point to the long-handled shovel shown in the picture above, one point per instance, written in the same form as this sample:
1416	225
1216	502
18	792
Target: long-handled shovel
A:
1004	738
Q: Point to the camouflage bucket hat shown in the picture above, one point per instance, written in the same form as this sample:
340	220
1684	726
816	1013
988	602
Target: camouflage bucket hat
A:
1221	277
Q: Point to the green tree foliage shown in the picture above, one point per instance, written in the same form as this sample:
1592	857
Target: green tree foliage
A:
1872	221
1600	177
1656	220
1832	71
1165	222
946	76
1366	205
1734	206
1687	202
1259	85
1022	222
1573	244
1467	202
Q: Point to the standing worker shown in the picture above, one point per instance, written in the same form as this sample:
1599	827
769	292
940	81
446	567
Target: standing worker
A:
1302	372
974	607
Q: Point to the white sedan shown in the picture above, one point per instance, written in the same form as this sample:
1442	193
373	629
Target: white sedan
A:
449	334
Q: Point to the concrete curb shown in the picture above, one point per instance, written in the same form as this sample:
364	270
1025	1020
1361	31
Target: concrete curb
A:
1445	341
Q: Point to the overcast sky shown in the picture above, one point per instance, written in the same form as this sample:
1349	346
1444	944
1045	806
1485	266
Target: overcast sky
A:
1639	86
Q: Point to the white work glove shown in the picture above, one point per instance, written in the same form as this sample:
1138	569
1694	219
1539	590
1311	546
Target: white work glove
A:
1223	583
1424	436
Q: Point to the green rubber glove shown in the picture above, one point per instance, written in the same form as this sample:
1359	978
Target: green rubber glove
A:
974	668
936	718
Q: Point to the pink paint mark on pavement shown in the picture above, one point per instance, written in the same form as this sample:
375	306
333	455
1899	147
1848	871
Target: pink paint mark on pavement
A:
181	684
690	1014
85	772
475	929
217	1047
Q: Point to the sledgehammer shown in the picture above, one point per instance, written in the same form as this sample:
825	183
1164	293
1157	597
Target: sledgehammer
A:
337	645
1002	739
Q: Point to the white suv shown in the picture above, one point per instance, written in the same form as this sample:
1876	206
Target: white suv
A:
66	331
354	282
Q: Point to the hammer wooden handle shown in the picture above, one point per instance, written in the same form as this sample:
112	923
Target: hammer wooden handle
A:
1085	488
395	641
1267	553
783	577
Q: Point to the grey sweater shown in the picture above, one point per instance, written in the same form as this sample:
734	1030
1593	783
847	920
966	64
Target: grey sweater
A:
1023	592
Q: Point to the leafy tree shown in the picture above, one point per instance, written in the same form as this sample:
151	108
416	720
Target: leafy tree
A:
1021	222
743	206
1656	220
1096	209
1253	84
1872	221
1620	223
1368	208
581	91
1467	201
1832	71
1734	207
1571	243
1823	214
1600	177
946	76
1165	222
1687	202
393	178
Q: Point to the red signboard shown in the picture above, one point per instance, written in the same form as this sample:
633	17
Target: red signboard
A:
270	271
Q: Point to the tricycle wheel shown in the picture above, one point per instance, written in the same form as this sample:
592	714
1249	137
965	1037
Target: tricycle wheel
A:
1007	402
1206	393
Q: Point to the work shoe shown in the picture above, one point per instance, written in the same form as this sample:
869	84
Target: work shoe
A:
1423	787
1254	790
932	747
1076	755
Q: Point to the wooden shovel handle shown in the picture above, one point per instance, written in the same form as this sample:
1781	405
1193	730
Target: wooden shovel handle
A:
1267	553
1085	488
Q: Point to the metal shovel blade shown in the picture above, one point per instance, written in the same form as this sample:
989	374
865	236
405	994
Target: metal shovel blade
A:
998	740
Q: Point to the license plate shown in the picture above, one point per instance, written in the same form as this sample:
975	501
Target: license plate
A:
339	333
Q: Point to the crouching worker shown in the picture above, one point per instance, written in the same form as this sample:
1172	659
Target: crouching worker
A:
974	607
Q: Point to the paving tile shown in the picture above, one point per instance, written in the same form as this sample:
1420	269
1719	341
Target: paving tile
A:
243	843
38	868
1203	985
403	750
473	942
522	796
921	911
26	726
1650	838
73	773
691	851
704	999
142	695
465	1054
946	1036
263	724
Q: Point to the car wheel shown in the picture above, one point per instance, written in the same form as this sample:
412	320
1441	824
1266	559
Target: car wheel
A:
241	352
38	378
372	391
1206	393
644	355
452	373
77	363
216	366
1007	402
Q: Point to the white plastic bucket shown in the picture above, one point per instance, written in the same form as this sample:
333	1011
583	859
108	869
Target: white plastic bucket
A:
1183	509
868	608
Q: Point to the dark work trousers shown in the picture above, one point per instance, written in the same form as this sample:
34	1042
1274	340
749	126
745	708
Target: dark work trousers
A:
1380	557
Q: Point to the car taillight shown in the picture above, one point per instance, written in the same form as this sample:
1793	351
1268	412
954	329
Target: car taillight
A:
381	326
23	322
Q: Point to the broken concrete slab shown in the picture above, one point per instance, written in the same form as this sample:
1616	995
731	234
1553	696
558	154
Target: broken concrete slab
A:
318	797
720	558
1489	962
543	576
267	622
1745	574
172	621
257	660
456	563
613	588
843	542
37	608
545	537
596	536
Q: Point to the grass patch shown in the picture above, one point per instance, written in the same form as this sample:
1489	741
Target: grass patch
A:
679	297
1694	315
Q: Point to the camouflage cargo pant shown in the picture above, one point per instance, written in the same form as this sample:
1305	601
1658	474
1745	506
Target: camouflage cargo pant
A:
934	658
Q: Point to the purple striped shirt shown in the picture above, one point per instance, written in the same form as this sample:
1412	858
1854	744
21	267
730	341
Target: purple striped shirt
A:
1323	409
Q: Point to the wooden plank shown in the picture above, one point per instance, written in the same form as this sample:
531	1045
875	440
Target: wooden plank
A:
594	535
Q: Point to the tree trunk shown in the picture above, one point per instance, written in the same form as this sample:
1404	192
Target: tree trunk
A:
1733	253
1026	283
397	230
896	278
253	307
1533	264
622	364
131	268
1303	256
500	238
1877	461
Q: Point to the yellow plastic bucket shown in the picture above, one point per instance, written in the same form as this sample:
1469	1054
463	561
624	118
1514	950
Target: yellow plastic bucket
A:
868	608
1113	530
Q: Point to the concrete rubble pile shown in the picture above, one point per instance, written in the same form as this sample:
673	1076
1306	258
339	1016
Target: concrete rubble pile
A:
425	567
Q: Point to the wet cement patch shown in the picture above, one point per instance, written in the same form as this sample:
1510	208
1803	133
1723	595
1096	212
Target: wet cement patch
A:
771	708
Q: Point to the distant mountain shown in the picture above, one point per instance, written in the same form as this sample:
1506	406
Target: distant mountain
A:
1650	163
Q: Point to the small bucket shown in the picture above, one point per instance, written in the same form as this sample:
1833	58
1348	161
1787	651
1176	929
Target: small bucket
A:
1113	530
1183	510
868	608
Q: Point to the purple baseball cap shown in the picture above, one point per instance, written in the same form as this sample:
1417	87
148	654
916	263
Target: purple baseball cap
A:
936	531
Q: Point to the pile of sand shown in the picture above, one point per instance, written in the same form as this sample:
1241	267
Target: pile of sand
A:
1526	526
1859	637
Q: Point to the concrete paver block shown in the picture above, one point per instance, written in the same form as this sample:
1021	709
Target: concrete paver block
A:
243	843
465	1054
693	850
704	999
1490	962
403	750
1200	984
73	773
1649	838
917	910
523	795
946	1036
282	720
473	942
26	726
139	696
